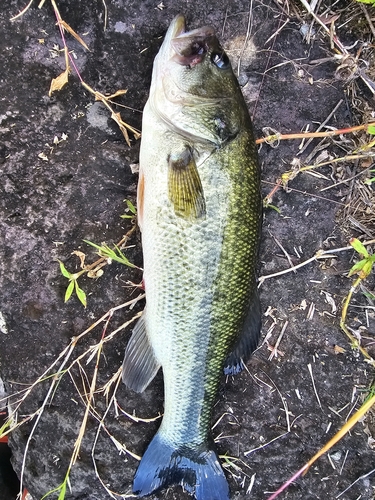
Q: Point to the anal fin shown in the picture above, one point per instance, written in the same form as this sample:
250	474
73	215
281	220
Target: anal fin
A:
185	189
248	340
140	365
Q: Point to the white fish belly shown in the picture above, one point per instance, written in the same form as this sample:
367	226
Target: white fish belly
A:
181	259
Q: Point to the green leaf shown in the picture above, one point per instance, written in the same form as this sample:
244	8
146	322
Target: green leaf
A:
369	295
81	294
274	207
69	290
61	487
62	491
371	128
358	247
106	251
4	428
121	258
92	244
366	270
63	270
369	2
131	207
357	267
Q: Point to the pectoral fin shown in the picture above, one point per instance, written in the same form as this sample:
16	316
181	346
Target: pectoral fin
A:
247	341
140	365
185	189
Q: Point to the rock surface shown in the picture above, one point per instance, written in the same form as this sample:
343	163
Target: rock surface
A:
56	193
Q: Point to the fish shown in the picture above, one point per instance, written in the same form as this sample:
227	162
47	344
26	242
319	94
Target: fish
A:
199	209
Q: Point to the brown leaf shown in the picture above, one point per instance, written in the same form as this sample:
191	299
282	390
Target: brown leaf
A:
59	82
81	256
73	33
122	125
328	19
338	350
116	94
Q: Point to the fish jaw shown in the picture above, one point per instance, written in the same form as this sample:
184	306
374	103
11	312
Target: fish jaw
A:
176	28
177	40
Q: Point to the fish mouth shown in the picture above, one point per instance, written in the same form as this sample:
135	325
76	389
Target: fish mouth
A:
188	47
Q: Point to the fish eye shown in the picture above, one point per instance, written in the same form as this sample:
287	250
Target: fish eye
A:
220	59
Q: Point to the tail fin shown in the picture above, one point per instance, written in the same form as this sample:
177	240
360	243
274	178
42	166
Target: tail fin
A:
197	470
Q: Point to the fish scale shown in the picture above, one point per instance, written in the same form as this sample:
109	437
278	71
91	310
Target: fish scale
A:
199	209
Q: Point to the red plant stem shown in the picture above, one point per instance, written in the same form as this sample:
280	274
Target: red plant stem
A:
287	483
315	134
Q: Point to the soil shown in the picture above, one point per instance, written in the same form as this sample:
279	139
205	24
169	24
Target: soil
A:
272	417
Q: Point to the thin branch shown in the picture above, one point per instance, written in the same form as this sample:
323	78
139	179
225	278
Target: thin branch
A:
320	254
304	135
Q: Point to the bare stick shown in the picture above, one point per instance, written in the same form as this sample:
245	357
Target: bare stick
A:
320	254
313	383
247	453
354	482
22	11
276	346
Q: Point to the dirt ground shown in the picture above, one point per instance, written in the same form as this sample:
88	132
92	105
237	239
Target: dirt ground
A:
55	193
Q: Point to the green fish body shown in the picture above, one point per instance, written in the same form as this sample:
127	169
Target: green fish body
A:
199	209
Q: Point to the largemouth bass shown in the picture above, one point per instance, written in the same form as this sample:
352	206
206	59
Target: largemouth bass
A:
199	209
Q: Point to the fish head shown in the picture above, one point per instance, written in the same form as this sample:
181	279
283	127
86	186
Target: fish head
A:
194	89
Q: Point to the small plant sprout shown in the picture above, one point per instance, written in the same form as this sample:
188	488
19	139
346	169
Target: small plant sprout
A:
370	181
131	211
111	254
362	268
73	284
94	270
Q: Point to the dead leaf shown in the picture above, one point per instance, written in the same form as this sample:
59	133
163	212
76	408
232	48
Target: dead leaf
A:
330	301
338	350
59	82
73	33
116	94
120	123
43	156
95	273
81	256
328	19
